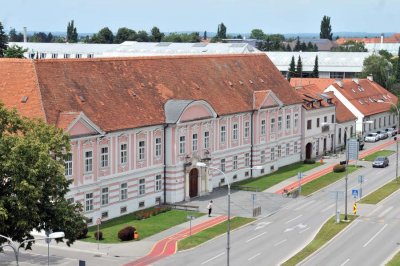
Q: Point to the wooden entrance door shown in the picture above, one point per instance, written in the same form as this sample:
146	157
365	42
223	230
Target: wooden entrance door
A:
308	150
193	183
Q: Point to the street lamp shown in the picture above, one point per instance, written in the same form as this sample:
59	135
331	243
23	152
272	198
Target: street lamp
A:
228	229
16	248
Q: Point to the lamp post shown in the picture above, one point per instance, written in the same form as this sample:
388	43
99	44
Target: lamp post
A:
228	229
16	248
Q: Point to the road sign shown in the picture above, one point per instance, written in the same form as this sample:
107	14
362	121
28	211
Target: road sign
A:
98	221
253	197
360	179
355	208
354	193
352	149
190	217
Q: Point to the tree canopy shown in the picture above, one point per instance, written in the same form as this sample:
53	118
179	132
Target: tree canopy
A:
380	68
156	34
292	69
32	181
15	51
221	32
105	35
125	34
350	46
3	40
14	37
72	34
326	29
315	72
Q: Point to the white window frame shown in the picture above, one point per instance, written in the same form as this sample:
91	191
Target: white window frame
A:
279	151
194	141
89	202
246	129
272	154
235	162
262	157
88	161
279	123
223	134
104	156
296	120
158	147
158	183
68	164
288	120
223	165
263	129
272	125
123	153
295	150
182	145
235	133
206	139
247	159
287	149
123	191
142	186
141	150
104	196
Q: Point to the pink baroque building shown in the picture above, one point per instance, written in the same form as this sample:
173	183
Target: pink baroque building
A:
138	126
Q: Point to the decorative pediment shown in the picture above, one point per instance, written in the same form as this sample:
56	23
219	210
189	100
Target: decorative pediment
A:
179	111
78	124
265	99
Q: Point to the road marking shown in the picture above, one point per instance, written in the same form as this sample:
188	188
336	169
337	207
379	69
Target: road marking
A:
302	231
280	242
262	225
294	219
372	238
213	258
288	230
327	208
376	209
258	254
385	211
346	261
304	205
257	236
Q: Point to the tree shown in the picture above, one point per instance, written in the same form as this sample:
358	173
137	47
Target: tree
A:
326	29
205	35
315	72
15	51
125	34
257	34
142	36
105	35
39	37
350	46
14	37
3	40
292	69
288	48
397	72
32	182
72	34
380	68
157	34
221	32
388	56
299	67
297	46
182	37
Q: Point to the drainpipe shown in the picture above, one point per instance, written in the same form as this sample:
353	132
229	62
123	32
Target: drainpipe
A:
251	144
165	164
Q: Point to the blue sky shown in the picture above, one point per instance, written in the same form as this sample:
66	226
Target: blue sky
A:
240	16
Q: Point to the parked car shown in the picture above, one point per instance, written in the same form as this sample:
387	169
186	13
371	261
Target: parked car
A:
391	131
380	161
371	137
382	134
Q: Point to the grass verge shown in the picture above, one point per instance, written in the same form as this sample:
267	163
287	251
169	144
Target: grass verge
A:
219	229
372	157
145	228
381	193
324	181
267	181
327	232
394	261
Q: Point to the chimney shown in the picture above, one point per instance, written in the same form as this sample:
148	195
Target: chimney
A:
25	34
382	41
370	77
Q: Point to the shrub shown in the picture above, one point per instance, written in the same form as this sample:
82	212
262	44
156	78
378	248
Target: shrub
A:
98	237
126	233
339	168
309	161
83	233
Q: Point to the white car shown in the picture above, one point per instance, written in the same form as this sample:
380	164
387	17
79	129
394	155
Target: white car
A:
391	131
371	137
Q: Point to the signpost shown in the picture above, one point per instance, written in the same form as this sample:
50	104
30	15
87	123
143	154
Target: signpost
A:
352	147
360	181
98	222
354	193
337	195
300	176
190	218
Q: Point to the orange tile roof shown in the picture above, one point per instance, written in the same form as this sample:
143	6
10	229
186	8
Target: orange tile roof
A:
311	96
395	38
122	93
321	83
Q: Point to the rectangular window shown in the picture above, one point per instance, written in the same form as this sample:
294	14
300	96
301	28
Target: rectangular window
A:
124	153
235	162
246	129
78	55
104	157
54	56
90	55
333	119
340	136
158	147
247	159
279	151
194	142
104	215
68	165
158	183
42	55
280	123
325	119
296	120
141	204
262	157
206	140
182	144
272	154
235	134
104	196
67	56
223	165
142	186
88	161
308	124
141	150
317	122
70	200
295	147
287	121
123	209
263	127
123	193
272	125
223	134
287	149
89	202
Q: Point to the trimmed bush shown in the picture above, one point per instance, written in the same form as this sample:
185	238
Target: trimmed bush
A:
83	232
98	237
339	168
126	233
309	161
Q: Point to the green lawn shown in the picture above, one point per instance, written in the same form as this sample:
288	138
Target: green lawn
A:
372	157
267	181
324	181
145	227
381	193
395	260
327	232
219	229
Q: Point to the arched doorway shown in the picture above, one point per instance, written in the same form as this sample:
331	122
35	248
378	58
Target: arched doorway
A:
193	182
308	150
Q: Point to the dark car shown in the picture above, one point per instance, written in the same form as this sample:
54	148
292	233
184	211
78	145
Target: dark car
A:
380	161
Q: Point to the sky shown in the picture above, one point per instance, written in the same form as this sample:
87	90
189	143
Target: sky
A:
239	16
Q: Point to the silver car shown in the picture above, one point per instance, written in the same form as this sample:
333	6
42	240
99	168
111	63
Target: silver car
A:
371	137
391	131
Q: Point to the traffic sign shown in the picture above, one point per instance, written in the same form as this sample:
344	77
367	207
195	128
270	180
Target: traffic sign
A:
354	193
360	179
352	149
355	208
98	221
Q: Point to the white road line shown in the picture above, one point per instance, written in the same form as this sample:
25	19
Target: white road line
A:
255	256
257	236
213	258
376	209
294	219
304	205
302	231
385	211
327	208
346	261
280	242
372	238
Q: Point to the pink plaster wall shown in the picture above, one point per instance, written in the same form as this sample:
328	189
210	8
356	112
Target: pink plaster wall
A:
80	129
195	112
